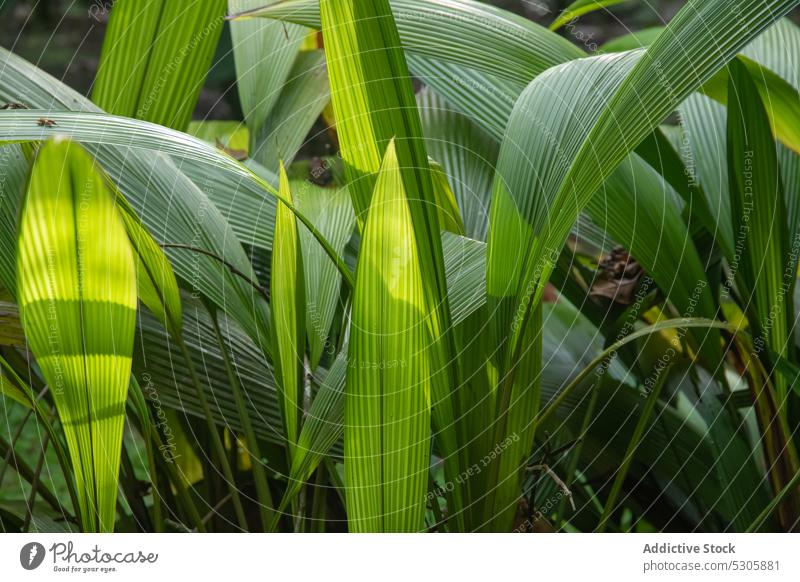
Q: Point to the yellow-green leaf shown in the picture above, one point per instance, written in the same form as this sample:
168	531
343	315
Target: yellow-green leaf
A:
374	104
388	393
158	288
287	290
155	57
77	295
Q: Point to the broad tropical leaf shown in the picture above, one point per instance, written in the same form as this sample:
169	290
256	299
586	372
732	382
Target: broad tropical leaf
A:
387	409
77	295
176	205
155	57
366	65
631	94
466	32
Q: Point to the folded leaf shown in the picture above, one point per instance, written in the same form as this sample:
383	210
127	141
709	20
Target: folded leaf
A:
77	295
287	293
387	408
156	54
158	288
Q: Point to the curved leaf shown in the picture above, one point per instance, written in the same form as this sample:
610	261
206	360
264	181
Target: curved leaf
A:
175	208
580	7
466	32
158	288
611	103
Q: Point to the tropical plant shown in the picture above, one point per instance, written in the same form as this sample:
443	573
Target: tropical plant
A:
548	290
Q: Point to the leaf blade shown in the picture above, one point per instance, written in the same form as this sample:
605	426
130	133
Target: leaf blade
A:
77	294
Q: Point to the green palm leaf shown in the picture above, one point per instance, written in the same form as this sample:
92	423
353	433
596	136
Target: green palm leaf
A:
176	205
158	288
467	32
758	218
630	94
332	213
288	314
77	294
155	57
374	103
264	53
12	188
387	409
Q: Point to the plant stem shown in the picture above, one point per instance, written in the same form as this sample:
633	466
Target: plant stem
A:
26	472
216	441
575	454
636	438
35	484
61	453
774	503
266	506
177	482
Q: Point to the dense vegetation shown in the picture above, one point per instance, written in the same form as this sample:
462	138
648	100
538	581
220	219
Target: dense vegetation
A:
536	284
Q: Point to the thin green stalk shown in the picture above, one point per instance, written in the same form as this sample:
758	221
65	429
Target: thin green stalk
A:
35	484
26	472
61	454
131	491
575	454
319	503
180	489
266	506
13	444
438	516
215	510
655	328
774	503
216	441
634	443
158	511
